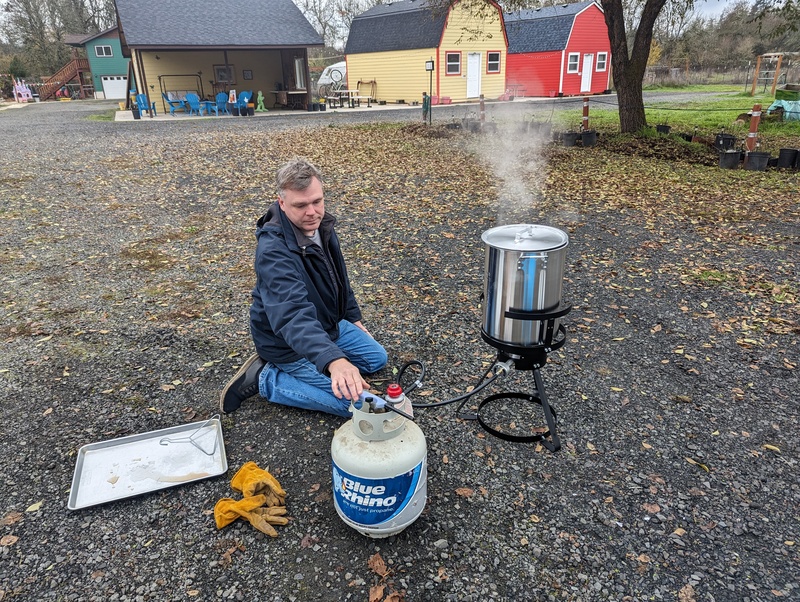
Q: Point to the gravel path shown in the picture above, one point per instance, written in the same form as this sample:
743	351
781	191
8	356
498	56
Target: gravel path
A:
126	253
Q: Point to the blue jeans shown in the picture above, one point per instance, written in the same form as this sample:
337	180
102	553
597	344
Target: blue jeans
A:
301	385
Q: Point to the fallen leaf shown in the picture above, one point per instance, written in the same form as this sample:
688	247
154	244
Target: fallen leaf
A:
646	445
696	463
8	540
11	518
34	507
377	565
445	459
442	574
465	492
376	593
652	508
679	532
771	448
47	412
193	592
643	558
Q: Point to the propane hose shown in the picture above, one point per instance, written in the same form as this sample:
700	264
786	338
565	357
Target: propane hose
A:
499	368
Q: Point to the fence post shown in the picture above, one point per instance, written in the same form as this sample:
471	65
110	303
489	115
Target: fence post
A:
585	122
750	143
482	111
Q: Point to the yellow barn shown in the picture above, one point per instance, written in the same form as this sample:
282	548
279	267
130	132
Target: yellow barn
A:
391	48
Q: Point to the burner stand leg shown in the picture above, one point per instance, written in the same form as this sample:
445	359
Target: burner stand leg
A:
555	443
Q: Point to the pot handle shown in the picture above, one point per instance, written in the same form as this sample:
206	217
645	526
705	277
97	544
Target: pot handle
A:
540	316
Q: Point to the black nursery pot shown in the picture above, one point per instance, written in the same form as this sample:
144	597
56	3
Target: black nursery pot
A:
729	159
724	141
787	157
756	161
235	111
663	129
569	138
589	138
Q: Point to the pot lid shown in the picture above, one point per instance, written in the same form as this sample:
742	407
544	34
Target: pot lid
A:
525	237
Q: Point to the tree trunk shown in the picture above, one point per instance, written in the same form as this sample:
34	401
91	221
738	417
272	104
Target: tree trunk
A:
629	68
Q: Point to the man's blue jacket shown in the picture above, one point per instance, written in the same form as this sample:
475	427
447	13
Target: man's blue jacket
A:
302	292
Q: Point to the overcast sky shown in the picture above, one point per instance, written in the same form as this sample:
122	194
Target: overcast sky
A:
712	8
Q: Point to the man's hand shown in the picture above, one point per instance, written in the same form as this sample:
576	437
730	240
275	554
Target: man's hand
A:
362	327
346	380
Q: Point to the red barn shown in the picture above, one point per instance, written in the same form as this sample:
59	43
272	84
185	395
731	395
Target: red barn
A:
558	50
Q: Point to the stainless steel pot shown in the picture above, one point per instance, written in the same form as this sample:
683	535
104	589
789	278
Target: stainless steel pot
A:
523	275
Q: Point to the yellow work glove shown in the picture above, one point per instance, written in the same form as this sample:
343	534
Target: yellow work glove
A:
252	480
227	510
263	519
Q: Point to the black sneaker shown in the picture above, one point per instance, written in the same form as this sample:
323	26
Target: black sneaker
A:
242	386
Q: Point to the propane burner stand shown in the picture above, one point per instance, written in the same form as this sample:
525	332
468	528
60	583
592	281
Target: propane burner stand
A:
527	357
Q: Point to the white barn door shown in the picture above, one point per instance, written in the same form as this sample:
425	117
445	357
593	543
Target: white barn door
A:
473	75
586	75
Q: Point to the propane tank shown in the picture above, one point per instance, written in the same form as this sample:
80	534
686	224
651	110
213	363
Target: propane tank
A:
380	471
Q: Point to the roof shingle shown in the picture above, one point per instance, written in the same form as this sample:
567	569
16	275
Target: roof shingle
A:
234	23
396	26
541	30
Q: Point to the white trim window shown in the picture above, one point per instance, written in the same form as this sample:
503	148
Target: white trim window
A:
102	51
492	62
573	62
602	61
453	63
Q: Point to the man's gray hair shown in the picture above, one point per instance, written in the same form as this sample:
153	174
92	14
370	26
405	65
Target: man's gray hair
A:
296	174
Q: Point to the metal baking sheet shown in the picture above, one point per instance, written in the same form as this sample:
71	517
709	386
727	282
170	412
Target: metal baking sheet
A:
120	468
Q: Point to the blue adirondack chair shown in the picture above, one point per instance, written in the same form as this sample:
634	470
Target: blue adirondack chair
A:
244	98
222	103
174	105
144	107
193	100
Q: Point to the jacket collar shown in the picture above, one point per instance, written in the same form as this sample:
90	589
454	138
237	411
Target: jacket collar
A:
293	236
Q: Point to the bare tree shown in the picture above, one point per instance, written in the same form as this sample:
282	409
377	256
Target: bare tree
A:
322	15
38	27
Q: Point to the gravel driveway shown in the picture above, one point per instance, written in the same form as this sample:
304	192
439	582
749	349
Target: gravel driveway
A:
126	268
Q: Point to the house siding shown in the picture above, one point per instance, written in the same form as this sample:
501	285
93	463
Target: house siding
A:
539	73
456	39
545	73
115	64
589	36
399	75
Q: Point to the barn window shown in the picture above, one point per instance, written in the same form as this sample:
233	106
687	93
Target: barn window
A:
453	62
103	51
602	59
492	62
572	62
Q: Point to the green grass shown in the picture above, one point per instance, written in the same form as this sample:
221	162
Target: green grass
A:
104	116
708	116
